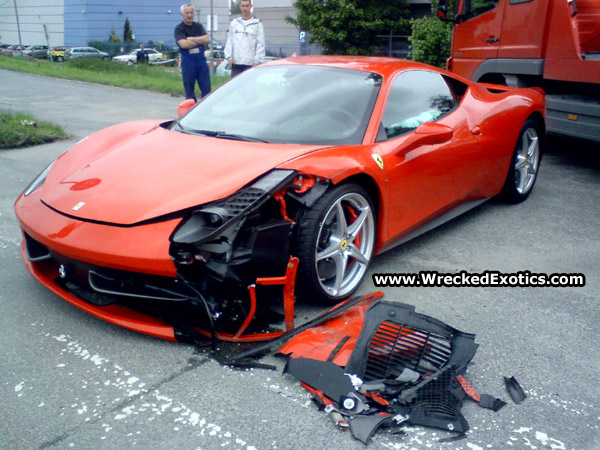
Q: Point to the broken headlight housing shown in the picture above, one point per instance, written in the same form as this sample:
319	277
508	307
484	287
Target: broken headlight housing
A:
213	228
230	242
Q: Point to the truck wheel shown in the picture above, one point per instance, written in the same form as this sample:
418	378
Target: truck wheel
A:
335	243
525	163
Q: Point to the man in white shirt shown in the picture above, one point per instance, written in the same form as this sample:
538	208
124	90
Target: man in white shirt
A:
245	46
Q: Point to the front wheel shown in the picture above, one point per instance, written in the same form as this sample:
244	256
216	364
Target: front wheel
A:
525	163
335	244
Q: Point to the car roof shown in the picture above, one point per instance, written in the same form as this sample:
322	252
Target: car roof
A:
381	65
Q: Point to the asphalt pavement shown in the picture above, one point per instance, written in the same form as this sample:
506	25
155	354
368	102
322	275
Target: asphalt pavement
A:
71	381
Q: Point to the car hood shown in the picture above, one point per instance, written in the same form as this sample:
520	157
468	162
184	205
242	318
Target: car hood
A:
139	171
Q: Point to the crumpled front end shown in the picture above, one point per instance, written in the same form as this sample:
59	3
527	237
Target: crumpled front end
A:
223	248
174	276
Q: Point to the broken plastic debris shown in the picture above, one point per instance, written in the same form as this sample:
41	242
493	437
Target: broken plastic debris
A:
514	390
363	427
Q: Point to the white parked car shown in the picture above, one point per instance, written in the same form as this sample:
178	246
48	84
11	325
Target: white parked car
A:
131	57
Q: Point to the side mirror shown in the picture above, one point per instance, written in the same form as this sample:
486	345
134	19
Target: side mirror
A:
185	106
428	133
442	12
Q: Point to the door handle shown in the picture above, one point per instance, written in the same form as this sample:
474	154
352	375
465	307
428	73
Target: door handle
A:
492	40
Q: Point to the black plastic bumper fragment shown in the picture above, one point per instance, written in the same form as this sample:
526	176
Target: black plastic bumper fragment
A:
364	427
328	378
490	402
514	390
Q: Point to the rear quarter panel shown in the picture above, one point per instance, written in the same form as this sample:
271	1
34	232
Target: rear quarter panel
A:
500	112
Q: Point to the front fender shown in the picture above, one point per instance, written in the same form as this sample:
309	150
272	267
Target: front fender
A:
338	163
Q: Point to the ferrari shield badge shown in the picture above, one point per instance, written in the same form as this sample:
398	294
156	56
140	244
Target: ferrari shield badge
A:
378	159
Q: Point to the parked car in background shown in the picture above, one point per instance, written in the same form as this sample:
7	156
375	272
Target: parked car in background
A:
216	45
36	51
131	58
217	55
223	70
12	50
85	52
57	53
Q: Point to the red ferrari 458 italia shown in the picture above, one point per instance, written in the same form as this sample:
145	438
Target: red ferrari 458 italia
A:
316	162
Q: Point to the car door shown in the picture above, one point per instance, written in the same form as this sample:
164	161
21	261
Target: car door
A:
519	38
476	36
426	179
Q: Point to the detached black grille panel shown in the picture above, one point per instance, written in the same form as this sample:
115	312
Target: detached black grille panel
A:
436	399
394	337
395	347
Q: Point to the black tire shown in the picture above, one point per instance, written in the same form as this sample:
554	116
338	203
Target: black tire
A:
334	254
524	164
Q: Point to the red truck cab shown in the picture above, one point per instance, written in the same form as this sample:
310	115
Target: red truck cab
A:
553	44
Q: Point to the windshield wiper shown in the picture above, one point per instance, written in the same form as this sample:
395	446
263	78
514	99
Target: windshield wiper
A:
221	135
236	137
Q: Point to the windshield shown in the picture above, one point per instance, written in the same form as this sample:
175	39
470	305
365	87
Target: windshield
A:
291	104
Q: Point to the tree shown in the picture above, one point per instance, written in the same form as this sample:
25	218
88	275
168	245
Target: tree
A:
430	41
431	38
113	38
235	9
127	31
350	27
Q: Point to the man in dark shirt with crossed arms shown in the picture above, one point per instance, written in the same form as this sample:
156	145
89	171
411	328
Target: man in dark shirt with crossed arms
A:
191	37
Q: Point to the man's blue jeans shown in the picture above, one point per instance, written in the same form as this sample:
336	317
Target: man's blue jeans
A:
195	70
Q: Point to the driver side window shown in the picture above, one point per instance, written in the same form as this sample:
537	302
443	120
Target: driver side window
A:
474	8
416	97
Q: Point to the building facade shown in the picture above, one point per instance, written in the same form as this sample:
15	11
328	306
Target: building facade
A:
78	22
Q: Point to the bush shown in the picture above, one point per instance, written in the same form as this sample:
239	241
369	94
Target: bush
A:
430	41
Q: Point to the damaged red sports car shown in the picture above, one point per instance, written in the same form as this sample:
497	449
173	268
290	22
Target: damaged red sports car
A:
314	163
